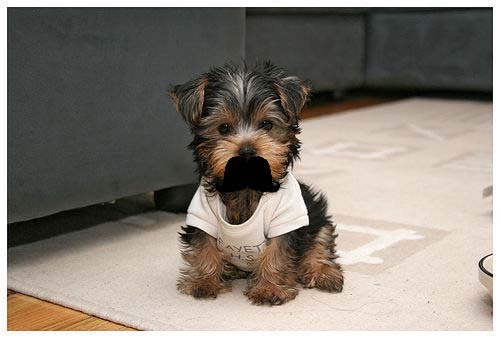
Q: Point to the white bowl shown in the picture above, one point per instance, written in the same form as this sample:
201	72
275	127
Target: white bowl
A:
486	272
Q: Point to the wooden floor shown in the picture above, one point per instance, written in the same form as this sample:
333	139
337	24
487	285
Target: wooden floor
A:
341	106
31	314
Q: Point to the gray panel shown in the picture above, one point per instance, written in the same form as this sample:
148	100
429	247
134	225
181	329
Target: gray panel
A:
306	10
88	115
443	50
326	49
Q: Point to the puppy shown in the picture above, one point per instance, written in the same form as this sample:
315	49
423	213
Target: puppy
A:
278	237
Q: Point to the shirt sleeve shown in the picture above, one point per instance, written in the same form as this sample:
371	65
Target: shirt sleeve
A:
290	212
200	214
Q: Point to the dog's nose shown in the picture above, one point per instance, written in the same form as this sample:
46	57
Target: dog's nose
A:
247	151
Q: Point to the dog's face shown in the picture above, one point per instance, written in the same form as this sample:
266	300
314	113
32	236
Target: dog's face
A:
236	111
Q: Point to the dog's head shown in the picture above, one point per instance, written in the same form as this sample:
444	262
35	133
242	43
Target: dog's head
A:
241	111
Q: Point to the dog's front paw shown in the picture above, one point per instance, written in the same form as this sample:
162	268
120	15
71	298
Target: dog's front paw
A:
327	277
202	287
270	294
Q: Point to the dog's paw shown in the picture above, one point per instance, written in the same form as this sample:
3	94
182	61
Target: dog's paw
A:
202	288
270	294
326	277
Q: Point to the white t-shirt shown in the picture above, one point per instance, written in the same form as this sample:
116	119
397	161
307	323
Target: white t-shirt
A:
276	214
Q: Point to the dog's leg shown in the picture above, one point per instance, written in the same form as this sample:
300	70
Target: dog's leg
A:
273	281
203	277
317	268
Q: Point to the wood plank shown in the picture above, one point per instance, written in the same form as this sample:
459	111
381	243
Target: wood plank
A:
28	313
342	106
96	324
31	314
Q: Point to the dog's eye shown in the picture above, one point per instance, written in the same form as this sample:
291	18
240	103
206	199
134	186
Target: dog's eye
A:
266	125
224	129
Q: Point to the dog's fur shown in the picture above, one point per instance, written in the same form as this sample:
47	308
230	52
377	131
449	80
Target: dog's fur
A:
226	109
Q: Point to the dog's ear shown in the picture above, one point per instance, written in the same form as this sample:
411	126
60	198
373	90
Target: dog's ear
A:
293	93
188	99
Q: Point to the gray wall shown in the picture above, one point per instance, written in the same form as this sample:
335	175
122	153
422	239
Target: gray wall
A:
324	47
89	119
445	49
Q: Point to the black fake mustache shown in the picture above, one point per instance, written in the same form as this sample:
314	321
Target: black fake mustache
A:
242	173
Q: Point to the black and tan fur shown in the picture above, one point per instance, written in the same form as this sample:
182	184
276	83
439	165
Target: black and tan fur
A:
226	109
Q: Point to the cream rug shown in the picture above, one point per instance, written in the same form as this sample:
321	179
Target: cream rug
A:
404	181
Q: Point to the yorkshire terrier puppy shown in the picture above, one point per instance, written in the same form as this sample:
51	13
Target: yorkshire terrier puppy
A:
250	218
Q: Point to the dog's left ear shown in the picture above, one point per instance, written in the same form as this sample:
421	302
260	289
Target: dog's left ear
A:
293	93
188	99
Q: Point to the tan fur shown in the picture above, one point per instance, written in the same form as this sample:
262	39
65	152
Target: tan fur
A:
274	152
306	89
218	117
224	150
200	98
273	281
285	100
200	93
203	278
282	95
235	214
317	268
175	100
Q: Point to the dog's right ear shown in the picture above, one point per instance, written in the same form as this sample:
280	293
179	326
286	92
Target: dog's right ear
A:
188	99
